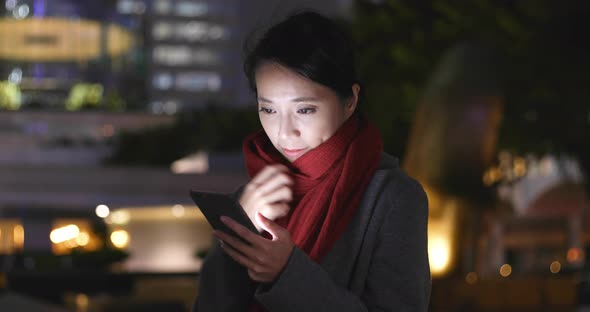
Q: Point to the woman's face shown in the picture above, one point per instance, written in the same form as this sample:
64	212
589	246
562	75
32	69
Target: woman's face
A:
298	114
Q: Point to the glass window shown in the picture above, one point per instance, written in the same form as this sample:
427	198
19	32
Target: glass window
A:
191	8
198	81
183	55
163	81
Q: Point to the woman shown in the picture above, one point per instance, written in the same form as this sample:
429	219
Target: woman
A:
344	229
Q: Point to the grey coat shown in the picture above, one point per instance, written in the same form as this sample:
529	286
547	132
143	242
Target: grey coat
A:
379	264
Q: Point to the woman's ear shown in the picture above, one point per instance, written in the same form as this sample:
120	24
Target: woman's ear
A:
353	101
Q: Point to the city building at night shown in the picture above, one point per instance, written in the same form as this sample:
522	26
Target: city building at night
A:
74	77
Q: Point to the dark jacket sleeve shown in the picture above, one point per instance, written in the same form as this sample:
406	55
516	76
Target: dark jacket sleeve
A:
224	285
398	276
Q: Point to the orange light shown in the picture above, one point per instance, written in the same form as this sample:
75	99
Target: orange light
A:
519	167
18	236
505	270
575	254
471	278
555	267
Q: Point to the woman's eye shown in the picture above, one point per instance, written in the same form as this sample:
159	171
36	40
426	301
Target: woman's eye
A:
306	111
266	110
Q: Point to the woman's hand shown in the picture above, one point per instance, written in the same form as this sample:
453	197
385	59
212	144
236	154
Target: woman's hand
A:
264	258
268	193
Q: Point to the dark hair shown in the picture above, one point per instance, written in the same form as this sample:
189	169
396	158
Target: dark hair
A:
311	45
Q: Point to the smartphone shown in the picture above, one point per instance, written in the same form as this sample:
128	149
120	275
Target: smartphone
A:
215	205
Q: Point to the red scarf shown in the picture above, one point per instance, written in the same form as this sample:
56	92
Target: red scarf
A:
329	181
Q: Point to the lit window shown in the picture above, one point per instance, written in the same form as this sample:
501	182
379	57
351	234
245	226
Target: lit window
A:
202	56
198	81
10	4
200	31
162	30
191	8
194	31
130	7
163	81
169	107
172	55
216	32
162	6
182	55
156	107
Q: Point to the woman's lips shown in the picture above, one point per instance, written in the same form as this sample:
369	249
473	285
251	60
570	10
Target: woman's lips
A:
292	153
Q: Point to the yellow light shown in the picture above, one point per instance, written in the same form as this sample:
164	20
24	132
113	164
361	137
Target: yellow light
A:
83	239
83	94
120	238
519	167
63	234
10	96
442	233
102	211
178	211
488	179
60	40
505	270
492	176
439	254
555	267
71	243
81	302
18	234
496	174
471	278
120	217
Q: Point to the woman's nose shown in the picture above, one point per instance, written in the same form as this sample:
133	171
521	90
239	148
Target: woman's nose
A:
288	128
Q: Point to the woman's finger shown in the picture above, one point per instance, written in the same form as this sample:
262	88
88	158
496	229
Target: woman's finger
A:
283	194
275	230
273	212
266	173
235	243
242	231
274	183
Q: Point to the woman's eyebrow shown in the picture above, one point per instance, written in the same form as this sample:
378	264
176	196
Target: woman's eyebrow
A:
299	99
261	99
305	99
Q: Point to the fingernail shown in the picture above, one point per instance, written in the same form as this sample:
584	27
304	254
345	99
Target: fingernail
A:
223	219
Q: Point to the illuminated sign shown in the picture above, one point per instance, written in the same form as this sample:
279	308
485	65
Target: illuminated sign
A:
59	40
